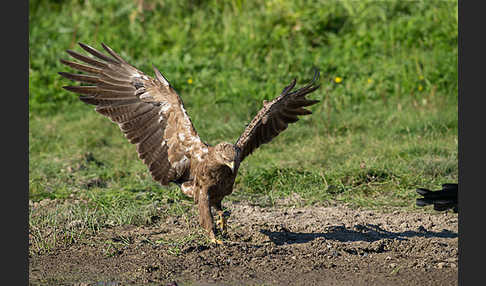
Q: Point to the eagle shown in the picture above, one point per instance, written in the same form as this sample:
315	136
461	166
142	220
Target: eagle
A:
441	199
151	115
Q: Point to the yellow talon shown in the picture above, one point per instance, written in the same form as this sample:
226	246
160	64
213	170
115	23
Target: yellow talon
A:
221	222
217	241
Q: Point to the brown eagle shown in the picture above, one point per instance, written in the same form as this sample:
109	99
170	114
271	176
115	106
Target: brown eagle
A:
151	115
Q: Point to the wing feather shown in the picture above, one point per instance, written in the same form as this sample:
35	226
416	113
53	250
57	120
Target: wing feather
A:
275	116
298	111
138	120
137	135
81	67
122	113
142	107
80	77
99	55
106	102
87	60
288	118
150	157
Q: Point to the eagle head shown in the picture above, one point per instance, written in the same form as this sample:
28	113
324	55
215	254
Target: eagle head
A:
227	154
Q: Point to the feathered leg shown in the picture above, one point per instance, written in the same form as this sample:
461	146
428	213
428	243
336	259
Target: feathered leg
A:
205	216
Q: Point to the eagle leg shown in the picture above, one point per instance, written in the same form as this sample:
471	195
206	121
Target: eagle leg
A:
205	216
221	222
222	219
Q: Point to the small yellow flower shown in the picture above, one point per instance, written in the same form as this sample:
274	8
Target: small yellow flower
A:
420	87
370	81
189	81
338	79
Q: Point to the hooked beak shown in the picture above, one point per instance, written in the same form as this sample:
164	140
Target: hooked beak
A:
231	165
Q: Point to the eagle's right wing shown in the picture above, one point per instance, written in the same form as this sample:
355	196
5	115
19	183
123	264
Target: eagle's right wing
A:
148	111
275	116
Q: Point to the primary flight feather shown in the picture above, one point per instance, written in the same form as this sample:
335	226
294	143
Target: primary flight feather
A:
152	116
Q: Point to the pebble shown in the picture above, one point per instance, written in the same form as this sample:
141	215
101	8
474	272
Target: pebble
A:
75	223
421	229
44	202
441	265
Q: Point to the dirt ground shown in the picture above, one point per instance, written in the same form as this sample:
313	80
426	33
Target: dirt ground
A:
267	246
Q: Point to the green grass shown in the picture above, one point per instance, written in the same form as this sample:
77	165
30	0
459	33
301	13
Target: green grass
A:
387	128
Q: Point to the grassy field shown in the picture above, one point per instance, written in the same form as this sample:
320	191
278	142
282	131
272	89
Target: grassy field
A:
386	123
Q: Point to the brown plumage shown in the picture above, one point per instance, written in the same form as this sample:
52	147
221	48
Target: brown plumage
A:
152	116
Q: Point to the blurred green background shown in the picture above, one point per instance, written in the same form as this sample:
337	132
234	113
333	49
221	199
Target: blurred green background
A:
386	123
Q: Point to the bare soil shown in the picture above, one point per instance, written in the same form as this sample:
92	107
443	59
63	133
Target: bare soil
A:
309	245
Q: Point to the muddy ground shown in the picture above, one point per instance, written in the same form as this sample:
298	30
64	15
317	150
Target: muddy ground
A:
266	246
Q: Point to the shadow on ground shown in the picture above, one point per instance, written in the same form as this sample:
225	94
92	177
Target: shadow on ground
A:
359	232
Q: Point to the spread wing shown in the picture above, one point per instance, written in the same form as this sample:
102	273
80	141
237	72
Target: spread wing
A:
148	111
275	116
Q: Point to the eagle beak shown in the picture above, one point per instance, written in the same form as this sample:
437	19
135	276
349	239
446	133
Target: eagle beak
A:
231	165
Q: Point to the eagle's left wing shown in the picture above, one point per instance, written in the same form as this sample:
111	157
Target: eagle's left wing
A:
275	116
148	111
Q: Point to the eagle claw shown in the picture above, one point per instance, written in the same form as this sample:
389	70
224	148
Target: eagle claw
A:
216	241
221	222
